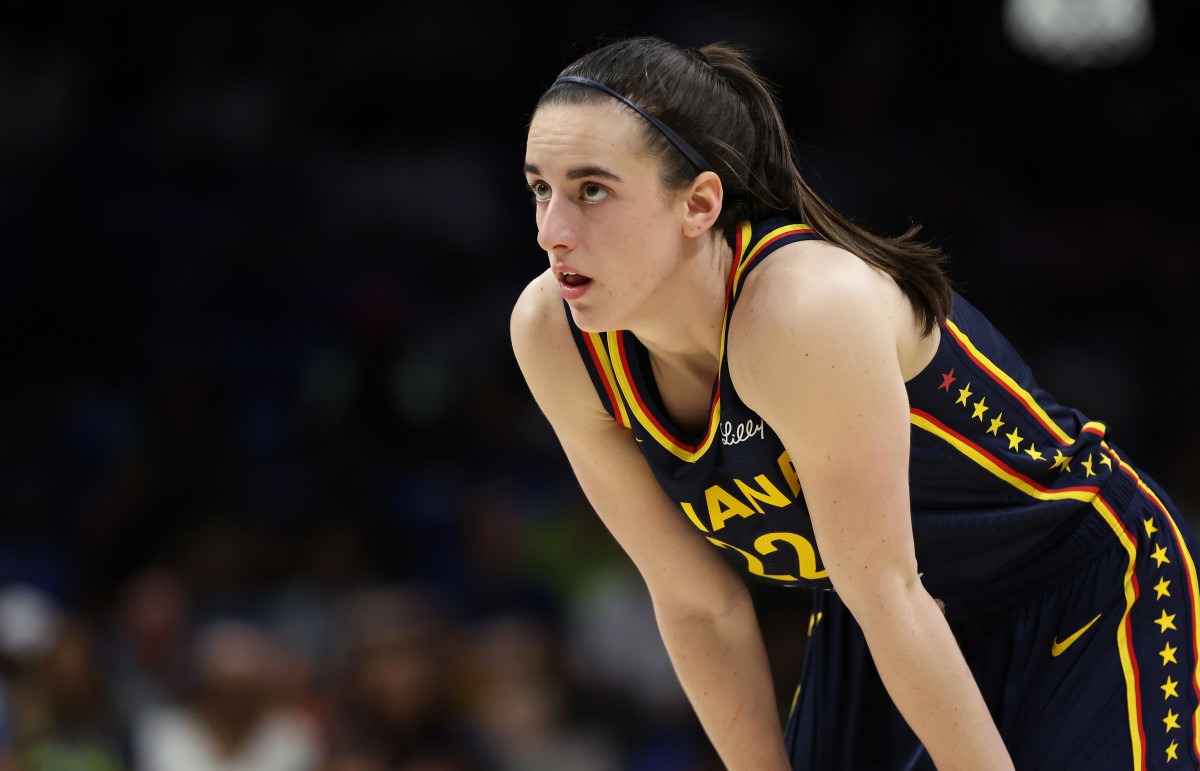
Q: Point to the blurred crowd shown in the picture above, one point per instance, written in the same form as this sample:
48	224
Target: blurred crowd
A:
378	678
272	493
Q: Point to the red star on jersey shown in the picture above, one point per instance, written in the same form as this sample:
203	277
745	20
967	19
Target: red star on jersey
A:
947	379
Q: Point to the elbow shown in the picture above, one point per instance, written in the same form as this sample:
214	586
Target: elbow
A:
881	595
685	608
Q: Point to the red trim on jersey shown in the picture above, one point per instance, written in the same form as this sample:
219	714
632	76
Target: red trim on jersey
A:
1091	489
633	388
1189	574
740	269
758	249
990	369
608	387
1137	673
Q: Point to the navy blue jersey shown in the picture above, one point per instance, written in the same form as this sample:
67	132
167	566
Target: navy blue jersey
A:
1027	522
735	482
1067	579
999	469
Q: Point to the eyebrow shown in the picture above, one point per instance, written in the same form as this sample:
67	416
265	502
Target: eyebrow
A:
579	173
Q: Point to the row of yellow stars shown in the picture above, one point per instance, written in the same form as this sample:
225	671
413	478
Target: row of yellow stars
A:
1165	621
1060	461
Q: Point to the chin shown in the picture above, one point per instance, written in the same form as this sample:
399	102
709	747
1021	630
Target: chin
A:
588	320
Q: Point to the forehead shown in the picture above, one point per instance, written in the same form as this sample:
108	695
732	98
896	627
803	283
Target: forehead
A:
565	135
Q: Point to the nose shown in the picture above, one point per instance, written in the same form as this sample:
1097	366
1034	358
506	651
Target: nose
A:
556	227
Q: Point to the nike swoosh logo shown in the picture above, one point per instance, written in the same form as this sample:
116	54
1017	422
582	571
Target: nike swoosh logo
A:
1057	648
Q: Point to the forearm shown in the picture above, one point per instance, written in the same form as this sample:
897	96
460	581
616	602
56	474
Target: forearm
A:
924	671
722	664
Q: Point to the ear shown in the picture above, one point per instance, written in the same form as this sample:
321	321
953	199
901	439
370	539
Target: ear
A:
703	200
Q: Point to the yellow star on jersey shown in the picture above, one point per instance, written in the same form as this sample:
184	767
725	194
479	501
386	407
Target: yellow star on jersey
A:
1034	453
1061	462
1014	440
1162	588
980	408
1173	751
1165	621
1171	720
1150	528
1168	654
1087	467
964	393
1160	556
1106	461
1169	688
997	424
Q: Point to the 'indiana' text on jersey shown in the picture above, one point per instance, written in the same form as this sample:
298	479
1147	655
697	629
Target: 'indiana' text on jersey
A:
997	467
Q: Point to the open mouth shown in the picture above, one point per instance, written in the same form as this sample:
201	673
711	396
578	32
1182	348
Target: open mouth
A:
573	279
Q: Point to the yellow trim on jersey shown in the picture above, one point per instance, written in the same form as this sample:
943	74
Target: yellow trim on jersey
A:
648	423
1124	644
629	394
745	261
1193	583
1114	523
607	367
990	464
1003	377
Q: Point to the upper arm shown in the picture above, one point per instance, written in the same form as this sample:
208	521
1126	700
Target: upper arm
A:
684	574
813	350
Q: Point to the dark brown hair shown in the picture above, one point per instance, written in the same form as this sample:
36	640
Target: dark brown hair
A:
714	99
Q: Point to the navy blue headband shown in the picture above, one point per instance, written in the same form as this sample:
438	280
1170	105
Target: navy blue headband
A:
680	143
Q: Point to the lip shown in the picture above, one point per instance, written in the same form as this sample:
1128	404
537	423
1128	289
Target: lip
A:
570	291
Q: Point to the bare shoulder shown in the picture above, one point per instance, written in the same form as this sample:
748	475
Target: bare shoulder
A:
547	355
816	290
536	307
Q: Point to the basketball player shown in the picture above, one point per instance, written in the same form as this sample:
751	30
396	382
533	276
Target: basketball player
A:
740	376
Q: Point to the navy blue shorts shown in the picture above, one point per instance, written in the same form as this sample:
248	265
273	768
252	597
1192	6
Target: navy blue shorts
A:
1095	671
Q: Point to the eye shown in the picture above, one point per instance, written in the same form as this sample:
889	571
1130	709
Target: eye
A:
540	190
593	193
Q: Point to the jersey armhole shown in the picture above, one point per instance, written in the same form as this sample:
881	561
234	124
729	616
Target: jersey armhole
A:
596	360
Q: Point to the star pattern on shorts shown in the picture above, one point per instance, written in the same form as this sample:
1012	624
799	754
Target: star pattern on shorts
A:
1166	623
1027	438
1061	462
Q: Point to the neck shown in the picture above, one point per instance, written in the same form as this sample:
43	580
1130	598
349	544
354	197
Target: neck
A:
686	326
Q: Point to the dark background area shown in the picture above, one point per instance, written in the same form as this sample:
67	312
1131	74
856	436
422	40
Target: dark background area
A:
256	264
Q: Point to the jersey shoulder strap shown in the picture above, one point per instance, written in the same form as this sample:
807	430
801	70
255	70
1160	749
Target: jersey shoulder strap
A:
600	351
751	243
597	350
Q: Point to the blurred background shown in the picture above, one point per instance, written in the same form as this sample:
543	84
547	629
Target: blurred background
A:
272	493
